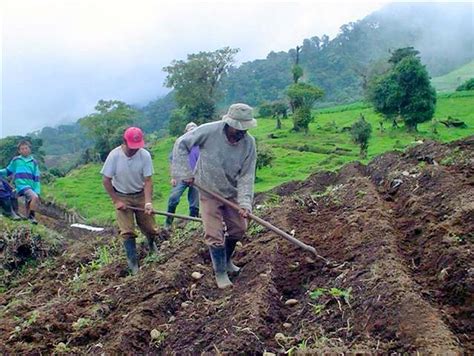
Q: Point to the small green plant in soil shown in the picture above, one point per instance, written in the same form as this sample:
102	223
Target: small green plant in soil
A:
255	229
157	337
337	293
81	323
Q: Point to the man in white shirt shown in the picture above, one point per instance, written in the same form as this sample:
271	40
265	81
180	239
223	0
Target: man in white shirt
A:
127	173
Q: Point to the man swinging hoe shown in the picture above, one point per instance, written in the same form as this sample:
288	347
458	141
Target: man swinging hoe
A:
226	166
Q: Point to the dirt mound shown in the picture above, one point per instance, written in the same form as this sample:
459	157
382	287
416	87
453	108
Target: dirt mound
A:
23	245
400	232
18	246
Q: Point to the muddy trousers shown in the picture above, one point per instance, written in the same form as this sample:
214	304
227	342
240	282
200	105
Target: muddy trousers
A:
126	222
126	218
214	214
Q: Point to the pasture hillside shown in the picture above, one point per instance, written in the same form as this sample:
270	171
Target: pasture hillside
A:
326	147
452	80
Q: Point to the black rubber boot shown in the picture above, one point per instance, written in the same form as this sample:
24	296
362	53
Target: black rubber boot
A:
131	252
169	219
14	203
14	209
152	247
194	212
31	218
219	265
6	206
229	250
15	216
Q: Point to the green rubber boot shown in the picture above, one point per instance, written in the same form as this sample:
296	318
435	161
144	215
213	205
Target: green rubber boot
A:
152	247
219	264
229	250
131	252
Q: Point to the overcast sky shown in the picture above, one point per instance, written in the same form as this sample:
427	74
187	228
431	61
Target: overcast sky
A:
59	57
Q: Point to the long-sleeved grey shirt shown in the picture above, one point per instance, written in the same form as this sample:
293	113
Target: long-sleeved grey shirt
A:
223	167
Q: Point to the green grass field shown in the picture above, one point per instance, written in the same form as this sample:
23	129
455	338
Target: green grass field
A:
297	154
452	80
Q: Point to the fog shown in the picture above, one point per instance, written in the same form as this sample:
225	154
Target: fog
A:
442	32
60	57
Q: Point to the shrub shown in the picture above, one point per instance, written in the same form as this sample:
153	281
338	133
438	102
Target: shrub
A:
467	85
360	132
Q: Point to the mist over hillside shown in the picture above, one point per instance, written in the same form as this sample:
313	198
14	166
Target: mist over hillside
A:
442	32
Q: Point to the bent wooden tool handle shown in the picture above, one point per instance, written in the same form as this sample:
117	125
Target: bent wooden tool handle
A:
260	221
177	216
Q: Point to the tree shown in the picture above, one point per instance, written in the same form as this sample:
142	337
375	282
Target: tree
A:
63	139
361	131
156	114
384	94
265	110
265	157
418	95
402	53
277	110
302	97
367	73
107	125
196	82
280	111
177	122
297	70
405	91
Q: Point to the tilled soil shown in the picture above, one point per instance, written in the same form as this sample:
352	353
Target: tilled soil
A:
398	234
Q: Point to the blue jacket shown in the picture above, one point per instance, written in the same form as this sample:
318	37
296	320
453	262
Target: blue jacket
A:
6	191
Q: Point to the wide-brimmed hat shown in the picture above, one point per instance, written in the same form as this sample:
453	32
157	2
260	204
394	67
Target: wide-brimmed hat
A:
190	126
240	117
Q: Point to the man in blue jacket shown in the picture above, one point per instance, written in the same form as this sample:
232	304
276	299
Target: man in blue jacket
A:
8	200
179	187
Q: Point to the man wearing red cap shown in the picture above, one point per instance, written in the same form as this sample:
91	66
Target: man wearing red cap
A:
127	179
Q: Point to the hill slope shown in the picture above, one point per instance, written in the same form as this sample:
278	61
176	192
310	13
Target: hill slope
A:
452	80
340	65
297	155
399	232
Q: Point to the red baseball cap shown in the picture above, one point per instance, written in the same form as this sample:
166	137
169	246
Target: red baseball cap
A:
133	136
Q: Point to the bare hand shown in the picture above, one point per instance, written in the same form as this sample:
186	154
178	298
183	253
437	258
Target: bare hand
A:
148	208
120	205
189	181
244	212
173	182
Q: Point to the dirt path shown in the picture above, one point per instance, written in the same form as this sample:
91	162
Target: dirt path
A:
400	230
